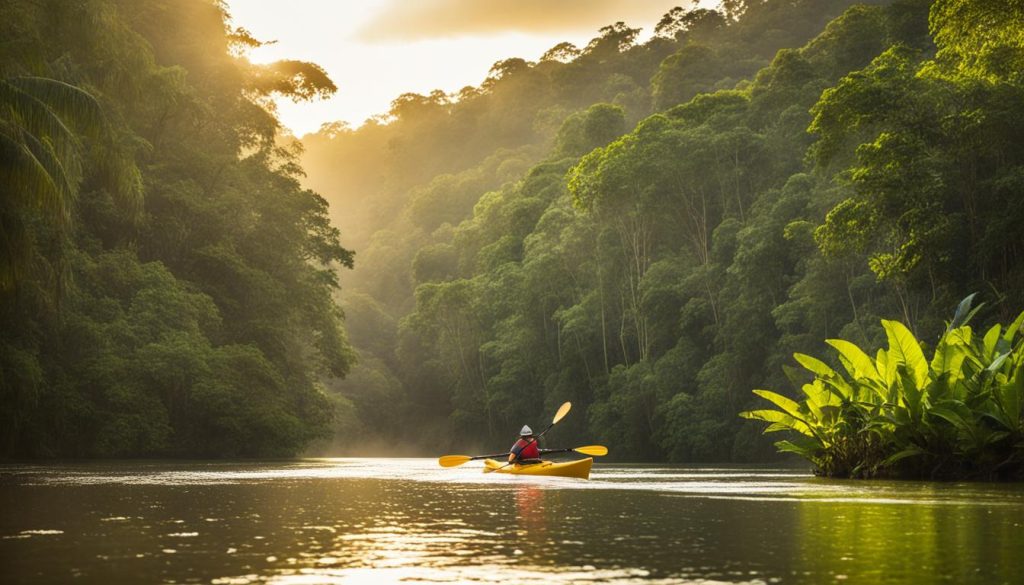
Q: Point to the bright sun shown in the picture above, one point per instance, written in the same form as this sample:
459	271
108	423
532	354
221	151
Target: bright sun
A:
373	56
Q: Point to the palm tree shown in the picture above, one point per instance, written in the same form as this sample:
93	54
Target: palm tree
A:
41	151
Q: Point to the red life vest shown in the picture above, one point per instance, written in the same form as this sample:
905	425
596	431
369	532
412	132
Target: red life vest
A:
526	449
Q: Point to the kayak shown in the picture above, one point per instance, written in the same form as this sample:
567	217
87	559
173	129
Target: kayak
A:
579	468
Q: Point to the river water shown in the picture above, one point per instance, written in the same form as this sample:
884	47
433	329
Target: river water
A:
408	520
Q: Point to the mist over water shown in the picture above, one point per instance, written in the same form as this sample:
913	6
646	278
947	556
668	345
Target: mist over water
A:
408	520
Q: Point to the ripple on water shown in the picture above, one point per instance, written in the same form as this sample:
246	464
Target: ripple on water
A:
471	574
408	520
30	533
711	482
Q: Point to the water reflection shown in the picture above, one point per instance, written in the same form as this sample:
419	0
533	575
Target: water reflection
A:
961	544
530	514
345	521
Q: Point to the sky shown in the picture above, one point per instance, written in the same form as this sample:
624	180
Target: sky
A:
375	50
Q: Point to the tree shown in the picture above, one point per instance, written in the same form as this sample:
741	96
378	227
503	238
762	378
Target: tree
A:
198	320
41	163
562	52
980	38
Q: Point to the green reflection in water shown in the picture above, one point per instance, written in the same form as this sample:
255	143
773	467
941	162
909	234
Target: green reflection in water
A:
914	533
338	522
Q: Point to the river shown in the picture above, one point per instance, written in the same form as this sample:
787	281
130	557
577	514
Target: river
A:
408	520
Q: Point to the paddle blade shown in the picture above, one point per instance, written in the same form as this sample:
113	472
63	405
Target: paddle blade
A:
594	450
453	460
562	411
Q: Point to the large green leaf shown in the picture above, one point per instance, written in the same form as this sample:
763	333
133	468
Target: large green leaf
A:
772	416
957	414
786	404
814	402
842	390
809	450
992	337
948	359
814	365
862	365
911	393
780	421
904	349
886	370
912	451
963	312
820	395
1009	397
997	363
961	336
1014	328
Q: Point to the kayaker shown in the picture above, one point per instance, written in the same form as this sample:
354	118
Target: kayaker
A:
525	450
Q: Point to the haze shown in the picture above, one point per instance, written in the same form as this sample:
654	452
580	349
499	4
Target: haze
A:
375	50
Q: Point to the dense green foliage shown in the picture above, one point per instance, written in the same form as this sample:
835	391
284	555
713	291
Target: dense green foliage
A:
650	230
165	283
900	414
646	229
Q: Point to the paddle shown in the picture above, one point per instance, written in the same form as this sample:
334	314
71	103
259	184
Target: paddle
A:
562	411
592	450
456	460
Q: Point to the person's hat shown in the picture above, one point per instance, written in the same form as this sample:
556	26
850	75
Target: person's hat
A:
526	431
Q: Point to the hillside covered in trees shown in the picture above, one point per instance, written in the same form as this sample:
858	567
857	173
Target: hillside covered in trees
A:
648	229
165	281
651	230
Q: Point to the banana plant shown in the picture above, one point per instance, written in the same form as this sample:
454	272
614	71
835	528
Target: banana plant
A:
957	414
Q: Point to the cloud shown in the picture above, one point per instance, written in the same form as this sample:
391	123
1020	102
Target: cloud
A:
402	20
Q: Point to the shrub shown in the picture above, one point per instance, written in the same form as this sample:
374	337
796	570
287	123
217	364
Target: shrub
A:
957	415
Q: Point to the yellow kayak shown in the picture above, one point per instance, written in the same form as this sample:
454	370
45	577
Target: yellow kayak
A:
579	468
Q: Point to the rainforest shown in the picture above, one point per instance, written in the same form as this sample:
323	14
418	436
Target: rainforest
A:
649	226
729	292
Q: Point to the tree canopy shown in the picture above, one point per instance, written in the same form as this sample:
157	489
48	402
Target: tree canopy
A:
647	227
166	283
665	223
